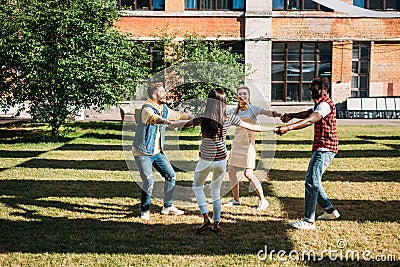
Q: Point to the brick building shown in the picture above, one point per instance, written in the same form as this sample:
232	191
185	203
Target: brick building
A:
288	42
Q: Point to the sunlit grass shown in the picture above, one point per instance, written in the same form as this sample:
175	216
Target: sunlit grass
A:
73	201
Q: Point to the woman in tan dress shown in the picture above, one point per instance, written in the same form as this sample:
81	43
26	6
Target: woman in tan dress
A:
243	151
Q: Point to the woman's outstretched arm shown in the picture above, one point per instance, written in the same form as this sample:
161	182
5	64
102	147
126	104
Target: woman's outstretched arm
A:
255	127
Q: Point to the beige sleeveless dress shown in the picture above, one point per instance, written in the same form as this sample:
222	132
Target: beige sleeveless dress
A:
243	151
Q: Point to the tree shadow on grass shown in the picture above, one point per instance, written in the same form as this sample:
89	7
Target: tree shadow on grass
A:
102	136
368	153
30	137
54	188
33	133
90	147
62	235
35	233
338	176
310	142
183	138
109	232
96	125
19	154
350	210
107	165
374	137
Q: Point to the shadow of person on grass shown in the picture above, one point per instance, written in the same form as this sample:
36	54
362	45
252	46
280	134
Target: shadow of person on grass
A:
98	226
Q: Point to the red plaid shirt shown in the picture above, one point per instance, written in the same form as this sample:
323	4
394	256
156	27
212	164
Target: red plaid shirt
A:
325	134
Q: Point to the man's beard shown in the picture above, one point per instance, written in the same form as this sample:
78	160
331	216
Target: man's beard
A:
162	100
314	95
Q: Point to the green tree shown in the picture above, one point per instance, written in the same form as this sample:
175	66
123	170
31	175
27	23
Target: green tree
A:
211	66
65	55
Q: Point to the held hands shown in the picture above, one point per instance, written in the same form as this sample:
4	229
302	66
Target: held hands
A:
171	125
178	125
286	117
281	130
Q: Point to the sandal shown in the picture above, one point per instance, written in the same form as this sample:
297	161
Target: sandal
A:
216	228
204	226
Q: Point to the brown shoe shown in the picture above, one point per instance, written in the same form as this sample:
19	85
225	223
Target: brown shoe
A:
216	228
204	226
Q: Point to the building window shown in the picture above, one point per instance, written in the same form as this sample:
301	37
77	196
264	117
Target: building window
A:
214	5
360	69
156	52
295	65
298	5
236	47
157	5
382	5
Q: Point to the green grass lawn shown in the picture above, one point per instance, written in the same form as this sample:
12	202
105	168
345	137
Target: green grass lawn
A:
72	201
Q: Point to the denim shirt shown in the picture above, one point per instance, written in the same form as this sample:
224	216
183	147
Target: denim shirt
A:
145	136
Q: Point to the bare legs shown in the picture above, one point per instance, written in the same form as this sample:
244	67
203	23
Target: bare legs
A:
234	182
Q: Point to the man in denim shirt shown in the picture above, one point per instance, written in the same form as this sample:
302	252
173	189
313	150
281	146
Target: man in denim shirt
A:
148	148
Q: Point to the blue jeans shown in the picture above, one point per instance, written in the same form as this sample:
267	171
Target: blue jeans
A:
145	166
203	168
314	192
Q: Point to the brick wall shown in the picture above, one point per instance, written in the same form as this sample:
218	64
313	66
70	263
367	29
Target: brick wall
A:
174	5
385	69
288	26
385	57
146	26
341	70
337	28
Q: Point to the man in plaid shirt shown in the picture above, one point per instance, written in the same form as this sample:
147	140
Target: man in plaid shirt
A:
325	147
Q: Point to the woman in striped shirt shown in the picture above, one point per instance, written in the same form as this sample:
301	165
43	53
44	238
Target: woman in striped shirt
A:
214	123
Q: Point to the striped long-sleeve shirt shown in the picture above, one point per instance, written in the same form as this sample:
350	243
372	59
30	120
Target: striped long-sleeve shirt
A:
213	148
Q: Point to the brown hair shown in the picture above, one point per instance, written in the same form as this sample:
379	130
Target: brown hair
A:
237	90
215	113
152	87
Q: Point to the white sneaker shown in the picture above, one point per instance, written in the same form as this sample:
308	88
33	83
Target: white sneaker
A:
232	202
329	216
145	215
303	224
262	204
171	210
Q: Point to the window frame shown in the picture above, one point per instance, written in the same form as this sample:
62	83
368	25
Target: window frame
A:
153	50
319	7
215	8
134	6
384	5
358	91
237	47
302	84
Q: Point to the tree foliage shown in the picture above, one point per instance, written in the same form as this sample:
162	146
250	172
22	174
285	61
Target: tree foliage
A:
65	55
202	64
